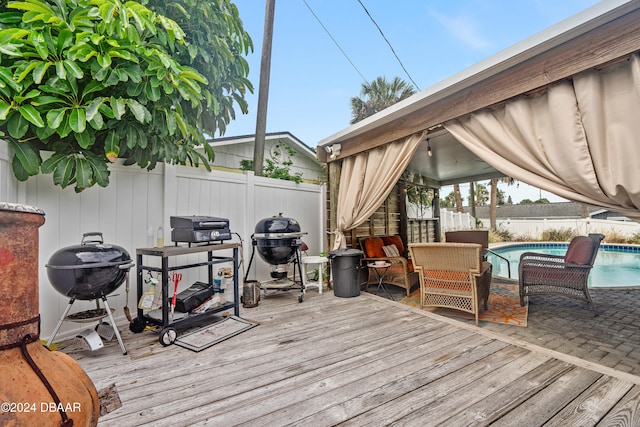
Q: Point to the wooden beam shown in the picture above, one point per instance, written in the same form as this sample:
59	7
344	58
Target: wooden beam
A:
334	185
599	46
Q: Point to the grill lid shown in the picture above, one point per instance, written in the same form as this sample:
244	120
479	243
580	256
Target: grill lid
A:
277	227
91	253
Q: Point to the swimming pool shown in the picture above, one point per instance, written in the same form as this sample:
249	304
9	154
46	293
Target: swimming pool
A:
615	266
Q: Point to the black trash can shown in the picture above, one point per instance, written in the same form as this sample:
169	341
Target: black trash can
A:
345	267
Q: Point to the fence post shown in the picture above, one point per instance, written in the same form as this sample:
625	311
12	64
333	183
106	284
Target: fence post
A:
249	219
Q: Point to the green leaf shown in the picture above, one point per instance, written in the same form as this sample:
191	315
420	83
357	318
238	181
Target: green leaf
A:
4	109
112	146
18	170
37	39
93	86
60	70
118	107
39	7
39	71
100	169
55	117
138	110
49	165
10	18
64	172
171	122
104	60
17	126
46	100
7	77
44	133
78	120
73	68
97	122
83	139
28	157
181	124
65	39
23	73
93	107
84	174
32	115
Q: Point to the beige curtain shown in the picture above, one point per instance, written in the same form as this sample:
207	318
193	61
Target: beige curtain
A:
579	139
366	181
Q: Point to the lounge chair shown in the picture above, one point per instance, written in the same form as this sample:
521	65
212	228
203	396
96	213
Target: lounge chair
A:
566	275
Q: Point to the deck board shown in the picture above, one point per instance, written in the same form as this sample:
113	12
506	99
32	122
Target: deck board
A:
354	362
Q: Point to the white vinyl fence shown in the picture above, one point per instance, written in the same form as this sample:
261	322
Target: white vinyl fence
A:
449	220
532	229
136	199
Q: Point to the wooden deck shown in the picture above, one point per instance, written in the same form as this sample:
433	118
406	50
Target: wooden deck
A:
355	362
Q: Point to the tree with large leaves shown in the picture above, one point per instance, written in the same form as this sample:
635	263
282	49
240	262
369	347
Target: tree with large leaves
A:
94	80
378	95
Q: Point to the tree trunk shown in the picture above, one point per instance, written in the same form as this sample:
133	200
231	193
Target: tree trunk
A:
472	199
584	211
458	196
493	206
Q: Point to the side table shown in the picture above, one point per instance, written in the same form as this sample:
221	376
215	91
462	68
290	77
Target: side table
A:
381	270
321	261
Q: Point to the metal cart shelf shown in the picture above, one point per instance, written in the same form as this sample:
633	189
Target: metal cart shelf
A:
169	333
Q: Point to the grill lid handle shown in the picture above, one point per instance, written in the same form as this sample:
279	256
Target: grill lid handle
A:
85	241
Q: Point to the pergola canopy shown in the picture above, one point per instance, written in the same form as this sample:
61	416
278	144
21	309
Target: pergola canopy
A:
599	35
558	111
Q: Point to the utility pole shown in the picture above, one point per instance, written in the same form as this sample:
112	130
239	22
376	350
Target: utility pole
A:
263	90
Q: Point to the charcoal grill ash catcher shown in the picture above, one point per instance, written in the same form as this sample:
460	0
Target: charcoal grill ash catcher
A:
91	270
278	242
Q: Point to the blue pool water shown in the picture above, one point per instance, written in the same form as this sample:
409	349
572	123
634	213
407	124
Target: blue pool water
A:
615	266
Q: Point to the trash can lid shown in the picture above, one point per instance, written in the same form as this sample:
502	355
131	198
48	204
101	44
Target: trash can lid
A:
345	252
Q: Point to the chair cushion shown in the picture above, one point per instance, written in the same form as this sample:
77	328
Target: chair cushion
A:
373	247
580	251
391	250
394	240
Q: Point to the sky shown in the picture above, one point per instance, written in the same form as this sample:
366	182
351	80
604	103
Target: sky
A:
315	72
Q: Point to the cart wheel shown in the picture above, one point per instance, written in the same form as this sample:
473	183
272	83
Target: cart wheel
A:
137	325
300	298
168	336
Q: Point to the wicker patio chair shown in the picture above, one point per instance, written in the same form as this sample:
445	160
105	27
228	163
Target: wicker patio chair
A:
452	275
566	275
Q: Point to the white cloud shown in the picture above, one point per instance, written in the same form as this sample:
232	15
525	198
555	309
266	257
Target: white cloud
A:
462	28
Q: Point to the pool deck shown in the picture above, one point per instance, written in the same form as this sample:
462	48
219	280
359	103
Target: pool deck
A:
370	361
611	338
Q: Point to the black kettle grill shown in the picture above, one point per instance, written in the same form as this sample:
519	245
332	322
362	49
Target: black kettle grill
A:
278	241
89	271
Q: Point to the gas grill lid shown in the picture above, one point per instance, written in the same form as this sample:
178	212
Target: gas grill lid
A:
198	222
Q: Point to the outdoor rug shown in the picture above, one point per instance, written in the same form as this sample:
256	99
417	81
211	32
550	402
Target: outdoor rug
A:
503	306
209	335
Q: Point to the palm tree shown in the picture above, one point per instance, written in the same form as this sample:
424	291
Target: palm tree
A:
378	95
457	197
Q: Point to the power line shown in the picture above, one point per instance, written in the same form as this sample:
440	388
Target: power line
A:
334	40
391	47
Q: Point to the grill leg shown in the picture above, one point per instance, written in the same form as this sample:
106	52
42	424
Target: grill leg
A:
113	323
64	315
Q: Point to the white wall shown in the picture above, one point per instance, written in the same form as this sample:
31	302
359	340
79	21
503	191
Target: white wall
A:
137	198
231	155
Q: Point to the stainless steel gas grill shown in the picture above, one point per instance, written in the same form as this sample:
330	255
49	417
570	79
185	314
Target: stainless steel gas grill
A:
278	241
199	229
